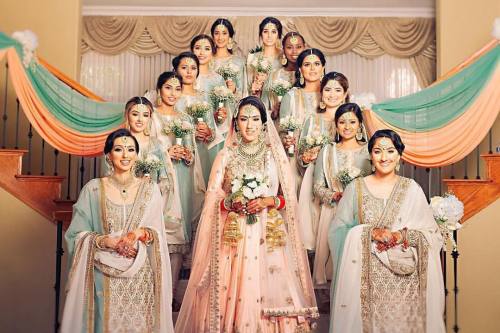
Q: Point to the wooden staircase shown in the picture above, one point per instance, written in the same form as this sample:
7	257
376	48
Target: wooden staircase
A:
41	193
477	194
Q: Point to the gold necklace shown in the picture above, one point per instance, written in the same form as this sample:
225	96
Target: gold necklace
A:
122	187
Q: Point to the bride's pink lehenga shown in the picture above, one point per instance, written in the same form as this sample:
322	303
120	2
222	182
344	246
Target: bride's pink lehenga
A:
262	282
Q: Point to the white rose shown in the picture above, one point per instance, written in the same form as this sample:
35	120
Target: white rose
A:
252	184
248	193
236	185
259	178
309	140
435	201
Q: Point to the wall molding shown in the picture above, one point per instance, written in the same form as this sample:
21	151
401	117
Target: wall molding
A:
252	11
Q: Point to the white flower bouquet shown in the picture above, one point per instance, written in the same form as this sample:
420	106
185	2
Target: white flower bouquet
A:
228	71
262	65
347	175
198	110
280	87
312	141
246	188
288	125
148	166
220	95
447	211
179	128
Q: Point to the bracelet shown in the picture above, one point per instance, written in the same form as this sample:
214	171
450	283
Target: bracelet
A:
225	204
99	242
146	237
279	202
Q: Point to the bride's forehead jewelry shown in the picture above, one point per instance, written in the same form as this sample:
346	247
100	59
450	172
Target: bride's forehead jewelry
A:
385	143
293	39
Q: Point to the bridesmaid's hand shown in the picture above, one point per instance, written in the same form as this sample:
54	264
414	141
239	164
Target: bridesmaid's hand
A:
256	88
381	235
187	156
231	86
176	152
221	115
203	132
275	113
288	141
310	155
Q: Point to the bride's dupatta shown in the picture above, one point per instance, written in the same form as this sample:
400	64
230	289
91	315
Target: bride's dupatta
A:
201	309
91	266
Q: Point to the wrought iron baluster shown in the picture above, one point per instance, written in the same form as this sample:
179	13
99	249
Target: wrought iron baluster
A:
95	167
477	163
42	170
30	138
5	117
82	172
455	255
429	183
68	196
490	142
56	155
466	168
17	124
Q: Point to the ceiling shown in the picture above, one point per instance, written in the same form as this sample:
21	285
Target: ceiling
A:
424	8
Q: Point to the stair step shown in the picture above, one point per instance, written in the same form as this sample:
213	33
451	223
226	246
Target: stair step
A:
39	178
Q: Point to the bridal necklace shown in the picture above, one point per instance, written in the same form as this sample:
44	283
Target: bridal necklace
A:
122	187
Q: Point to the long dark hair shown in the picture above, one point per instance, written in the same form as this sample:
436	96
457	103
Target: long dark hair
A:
227	24
349	107
341	79
300	61
254	101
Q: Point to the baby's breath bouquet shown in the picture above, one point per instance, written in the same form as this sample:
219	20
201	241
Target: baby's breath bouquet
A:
198	110
228	71
179	128
246	188
312	141
148	166
280	87
347	175
220	95
447	211
288	125
262	65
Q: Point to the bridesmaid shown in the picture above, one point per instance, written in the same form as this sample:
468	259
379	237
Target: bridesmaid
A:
303	100
270	32
187	66
204	48
348	152
223	35
334	92
187	171
293	44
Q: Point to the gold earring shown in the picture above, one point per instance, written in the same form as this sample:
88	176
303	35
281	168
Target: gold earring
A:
230	44
359	134
373	168
284	60
301	81
337	137
322	105
158	100
322	75
398	166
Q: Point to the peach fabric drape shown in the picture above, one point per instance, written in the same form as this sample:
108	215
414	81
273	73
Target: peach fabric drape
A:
50	129
451	143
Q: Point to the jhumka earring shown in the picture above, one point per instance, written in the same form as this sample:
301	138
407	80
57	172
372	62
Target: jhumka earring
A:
109	164
373	168
158	100
322	75
337	137
284	60
301	80
398	166
322	105
359	134
230	44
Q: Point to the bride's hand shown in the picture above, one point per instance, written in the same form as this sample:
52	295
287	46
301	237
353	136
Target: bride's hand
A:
257	205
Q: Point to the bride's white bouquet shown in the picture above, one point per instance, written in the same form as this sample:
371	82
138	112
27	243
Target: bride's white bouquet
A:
246	188
447	211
